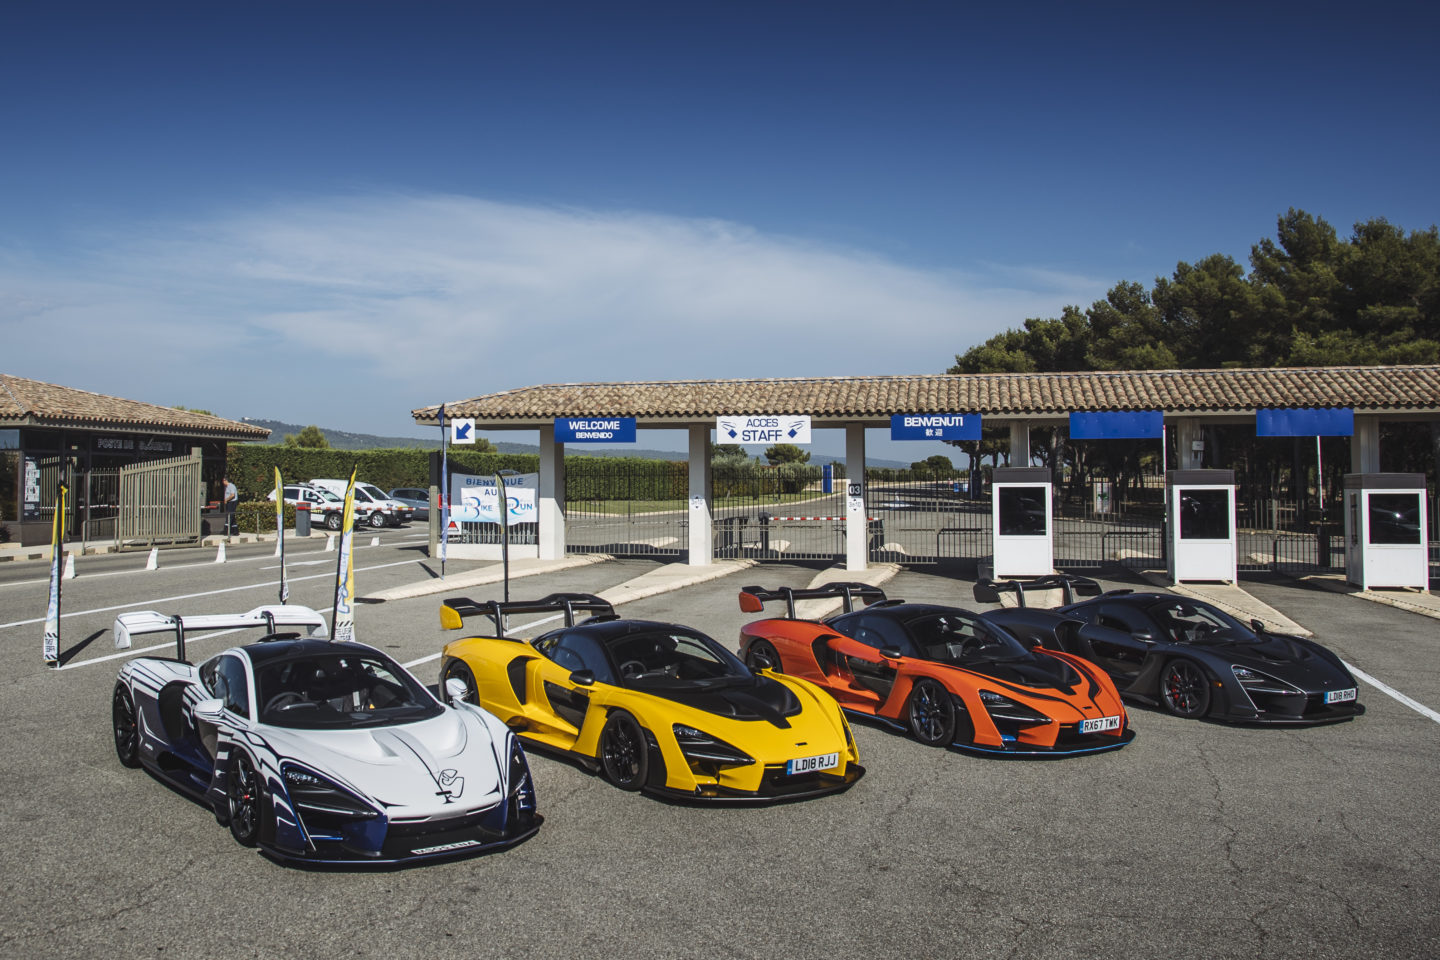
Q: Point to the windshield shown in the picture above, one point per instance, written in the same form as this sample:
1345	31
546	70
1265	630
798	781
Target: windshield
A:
669	658
340	690
952	637
1185	621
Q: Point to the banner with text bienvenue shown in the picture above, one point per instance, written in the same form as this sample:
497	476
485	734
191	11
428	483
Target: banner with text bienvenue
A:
476	499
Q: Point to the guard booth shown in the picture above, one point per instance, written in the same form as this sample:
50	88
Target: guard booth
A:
1385	530
1022	517
1200	525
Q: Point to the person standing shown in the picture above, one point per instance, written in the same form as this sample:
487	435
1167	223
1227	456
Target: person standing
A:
230	499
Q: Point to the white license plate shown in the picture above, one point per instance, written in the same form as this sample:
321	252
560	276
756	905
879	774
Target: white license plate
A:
1099	724
1339	696
811	764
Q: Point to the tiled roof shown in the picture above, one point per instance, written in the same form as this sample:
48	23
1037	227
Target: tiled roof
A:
1400	388
36	402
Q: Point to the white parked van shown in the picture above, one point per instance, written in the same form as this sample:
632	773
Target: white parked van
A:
372	505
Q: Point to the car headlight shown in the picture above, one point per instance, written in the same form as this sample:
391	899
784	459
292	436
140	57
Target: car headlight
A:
1001	707
1259	682
312	793
701	747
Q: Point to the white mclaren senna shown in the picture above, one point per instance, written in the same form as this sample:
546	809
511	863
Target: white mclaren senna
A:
319	751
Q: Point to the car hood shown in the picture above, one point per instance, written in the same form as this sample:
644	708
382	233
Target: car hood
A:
1284	657
413	769
1036	670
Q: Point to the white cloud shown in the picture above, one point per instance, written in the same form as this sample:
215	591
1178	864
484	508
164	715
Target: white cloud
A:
350	311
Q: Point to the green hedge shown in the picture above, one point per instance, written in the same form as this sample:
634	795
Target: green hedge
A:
258	516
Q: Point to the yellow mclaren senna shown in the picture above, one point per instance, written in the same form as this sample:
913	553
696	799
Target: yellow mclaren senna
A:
652	706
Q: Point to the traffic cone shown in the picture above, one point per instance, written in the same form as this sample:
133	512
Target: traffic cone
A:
220	554
330	543
154	562
69	573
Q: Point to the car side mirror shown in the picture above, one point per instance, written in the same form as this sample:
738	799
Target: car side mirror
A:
211	711
891	653
1257	624
749	603
583	678
455	689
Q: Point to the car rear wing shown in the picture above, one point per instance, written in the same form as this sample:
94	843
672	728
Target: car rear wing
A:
454	610
753	599
1070	586
141	622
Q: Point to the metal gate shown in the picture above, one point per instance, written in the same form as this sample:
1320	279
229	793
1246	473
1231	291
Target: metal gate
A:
160	502
626	508
924	518
777	513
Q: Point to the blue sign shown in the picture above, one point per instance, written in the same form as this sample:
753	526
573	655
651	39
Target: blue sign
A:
827	478
1117	425
935	426
1303	422
595	430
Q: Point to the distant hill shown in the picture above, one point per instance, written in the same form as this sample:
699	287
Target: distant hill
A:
341	440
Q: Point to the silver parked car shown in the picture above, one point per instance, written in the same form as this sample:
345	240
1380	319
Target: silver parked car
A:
413	497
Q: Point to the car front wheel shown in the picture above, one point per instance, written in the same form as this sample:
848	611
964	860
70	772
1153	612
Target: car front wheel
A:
623	754
247	801
127	729
1184	689
333	521
377	519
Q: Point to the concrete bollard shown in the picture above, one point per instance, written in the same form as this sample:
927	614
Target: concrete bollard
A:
153	563
69	573
374	541
330	543
220	554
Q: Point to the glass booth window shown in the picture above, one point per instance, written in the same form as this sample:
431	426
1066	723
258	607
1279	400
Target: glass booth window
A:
1204	514
1022	511
1395	518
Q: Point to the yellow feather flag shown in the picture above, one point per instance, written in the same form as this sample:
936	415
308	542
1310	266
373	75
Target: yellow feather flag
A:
344	616
52	614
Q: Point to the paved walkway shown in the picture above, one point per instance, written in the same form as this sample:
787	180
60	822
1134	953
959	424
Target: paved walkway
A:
1424	603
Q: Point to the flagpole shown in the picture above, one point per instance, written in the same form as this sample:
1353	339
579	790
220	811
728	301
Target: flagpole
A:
51	644
444	490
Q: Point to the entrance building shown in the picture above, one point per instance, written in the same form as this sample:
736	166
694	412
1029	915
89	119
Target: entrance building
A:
51	434
1172	408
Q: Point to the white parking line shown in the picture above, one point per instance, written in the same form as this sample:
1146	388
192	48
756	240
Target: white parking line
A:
523	626
1389	691
269	584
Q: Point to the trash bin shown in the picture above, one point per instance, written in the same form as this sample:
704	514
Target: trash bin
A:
302	519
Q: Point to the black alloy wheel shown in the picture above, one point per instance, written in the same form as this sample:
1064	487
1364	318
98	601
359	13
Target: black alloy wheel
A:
623	754
460	670
127	729
931	713
1184	689
333	520
762	655
246	801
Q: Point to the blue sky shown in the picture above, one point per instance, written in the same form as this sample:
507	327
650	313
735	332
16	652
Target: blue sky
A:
337	212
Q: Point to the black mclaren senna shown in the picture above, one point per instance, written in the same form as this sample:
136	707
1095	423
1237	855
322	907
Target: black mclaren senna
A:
1187	656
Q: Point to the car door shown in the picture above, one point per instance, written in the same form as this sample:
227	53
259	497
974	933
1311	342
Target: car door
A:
1115	637
872	676
564	702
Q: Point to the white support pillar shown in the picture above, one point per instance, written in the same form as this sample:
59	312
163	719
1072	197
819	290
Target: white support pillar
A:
701	508
1187	433
1019	443
857	552
1365	445
552	495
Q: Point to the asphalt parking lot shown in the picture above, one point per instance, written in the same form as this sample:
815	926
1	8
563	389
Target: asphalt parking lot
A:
1197	840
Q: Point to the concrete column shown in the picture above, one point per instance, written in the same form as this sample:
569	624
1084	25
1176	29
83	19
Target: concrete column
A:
857	552
1365	445
1019	443
701	507
552	495
1187	432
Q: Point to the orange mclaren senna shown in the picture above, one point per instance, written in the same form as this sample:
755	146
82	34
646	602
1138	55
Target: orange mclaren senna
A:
948	675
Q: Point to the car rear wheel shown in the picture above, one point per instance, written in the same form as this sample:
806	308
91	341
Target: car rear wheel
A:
247	801
333	520
623	754
460	670
127	729
762	655
931	713
1184	689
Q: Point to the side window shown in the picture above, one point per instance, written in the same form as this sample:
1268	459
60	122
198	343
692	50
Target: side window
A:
584	650
1124	619
231	685
880	632
207	675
